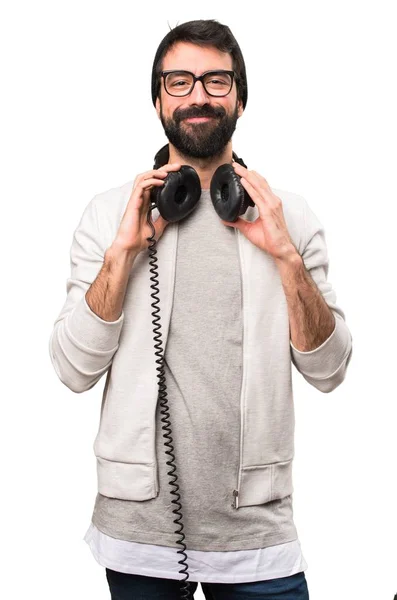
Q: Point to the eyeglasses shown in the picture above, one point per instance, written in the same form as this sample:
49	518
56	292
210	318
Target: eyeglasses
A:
181	83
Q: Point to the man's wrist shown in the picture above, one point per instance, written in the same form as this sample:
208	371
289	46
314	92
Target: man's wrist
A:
119	255
291	258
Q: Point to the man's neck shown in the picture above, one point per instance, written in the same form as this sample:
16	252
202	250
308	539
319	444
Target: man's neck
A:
205	167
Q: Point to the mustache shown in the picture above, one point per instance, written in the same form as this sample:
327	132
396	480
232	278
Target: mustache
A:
207	111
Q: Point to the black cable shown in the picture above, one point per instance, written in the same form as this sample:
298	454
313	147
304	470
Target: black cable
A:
162	397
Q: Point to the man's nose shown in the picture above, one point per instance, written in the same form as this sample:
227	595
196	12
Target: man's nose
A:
198	95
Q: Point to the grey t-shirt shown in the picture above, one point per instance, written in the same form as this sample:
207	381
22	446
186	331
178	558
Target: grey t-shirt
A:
203	369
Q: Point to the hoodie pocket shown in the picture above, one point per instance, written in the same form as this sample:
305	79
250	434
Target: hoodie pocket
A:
263	483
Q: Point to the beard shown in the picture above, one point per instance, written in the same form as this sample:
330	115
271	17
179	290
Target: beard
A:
204	139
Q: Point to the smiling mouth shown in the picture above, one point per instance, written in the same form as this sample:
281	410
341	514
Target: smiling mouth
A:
198	119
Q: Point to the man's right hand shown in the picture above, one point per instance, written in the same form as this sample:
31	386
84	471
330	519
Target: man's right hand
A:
134	228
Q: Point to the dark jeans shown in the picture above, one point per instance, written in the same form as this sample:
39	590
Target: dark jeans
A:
126	586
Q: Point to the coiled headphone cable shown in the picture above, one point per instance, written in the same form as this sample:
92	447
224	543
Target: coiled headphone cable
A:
162	396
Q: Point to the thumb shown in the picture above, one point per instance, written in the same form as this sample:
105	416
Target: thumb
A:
159	225
238	224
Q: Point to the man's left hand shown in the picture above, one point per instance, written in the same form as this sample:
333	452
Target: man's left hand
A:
269	232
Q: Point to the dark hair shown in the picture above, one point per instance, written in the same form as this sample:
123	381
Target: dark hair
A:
202	33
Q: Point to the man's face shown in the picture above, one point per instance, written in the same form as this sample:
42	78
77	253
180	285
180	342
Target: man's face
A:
198	139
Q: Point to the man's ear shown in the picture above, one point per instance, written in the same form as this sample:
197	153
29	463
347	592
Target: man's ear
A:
158	107
240	108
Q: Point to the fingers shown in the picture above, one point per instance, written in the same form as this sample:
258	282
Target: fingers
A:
170	167
156	173
146	183
140	196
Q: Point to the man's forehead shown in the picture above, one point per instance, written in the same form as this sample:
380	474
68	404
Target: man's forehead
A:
190	57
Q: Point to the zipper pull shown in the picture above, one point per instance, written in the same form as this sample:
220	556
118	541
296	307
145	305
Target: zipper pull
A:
235	494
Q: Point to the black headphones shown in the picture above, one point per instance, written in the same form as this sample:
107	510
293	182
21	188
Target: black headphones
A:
181	191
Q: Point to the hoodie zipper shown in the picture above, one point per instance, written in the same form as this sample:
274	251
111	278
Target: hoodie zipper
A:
236	491
235	499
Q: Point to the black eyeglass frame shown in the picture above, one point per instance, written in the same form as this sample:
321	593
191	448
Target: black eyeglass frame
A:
200	78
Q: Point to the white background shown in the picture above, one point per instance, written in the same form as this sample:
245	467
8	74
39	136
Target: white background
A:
77	119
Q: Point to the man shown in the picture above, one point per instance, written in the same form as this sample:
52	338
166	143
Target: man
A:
240	302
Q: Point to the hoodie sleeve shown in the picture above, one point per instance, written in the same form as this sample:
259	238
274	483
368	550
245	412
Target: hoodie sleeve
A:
82	344
325	366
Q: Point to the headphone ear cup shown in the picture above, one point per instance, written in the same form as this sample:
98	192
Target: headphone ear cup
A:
228	195
179	194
